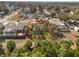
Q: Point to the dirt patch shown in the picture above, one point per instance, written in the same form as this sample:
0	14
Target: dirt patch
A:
71	36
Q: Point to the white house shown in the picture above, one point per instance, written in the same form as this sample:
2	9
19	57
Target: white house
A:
46	12
71	12
56	21
76	29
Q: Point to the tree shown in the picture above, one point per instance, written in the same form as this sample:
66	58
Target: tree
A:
32	9
28	45
53	14
1	50
70	53
46	48
54	49
77	42
66	43
21	52
38	54
74	16
63	16
40	8
69	43
67	10
65	48
39	31
77	51
39	48
11	45
57	9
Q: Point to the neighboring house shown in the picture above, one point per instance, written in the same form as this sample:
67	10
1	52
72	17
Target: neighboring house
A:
37	10
24	15
46	12
61	26
76	29
72	23
13	29
69	25
63	29
1	25
56	21
71	13
10	7
2	13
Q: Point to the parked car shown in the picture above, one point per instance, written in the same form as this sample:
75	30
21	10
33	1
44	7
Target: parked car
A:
69	24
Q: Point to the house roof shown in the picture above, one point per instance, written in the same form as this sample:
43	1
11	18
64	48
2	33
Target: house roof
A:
1	25
12	27
56	21
1	12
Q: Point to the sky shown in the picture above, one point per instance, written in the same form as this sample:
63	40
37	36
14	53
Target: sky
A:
46	0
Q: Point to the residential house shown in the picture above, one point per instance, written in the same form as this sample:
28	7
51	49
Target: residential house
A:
1	25
2	13
72	23
11	7
61	26
46	12
56	21
71	13
24	15
13	29
76	29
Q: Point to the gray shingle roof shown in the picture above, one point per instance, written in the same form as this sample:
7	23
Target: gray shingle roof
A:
12	27
1	25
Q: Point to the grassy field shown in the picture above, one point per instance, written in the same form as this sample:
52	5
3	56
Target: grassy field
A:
16	17
23	23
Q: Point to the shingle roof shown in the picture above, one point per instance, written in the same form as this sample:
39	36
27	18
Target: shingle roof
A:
13	27
1	25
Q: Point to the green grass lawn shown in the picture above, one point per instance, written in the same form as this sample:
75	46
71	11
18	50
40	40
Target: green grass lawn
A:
23	23
16	17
